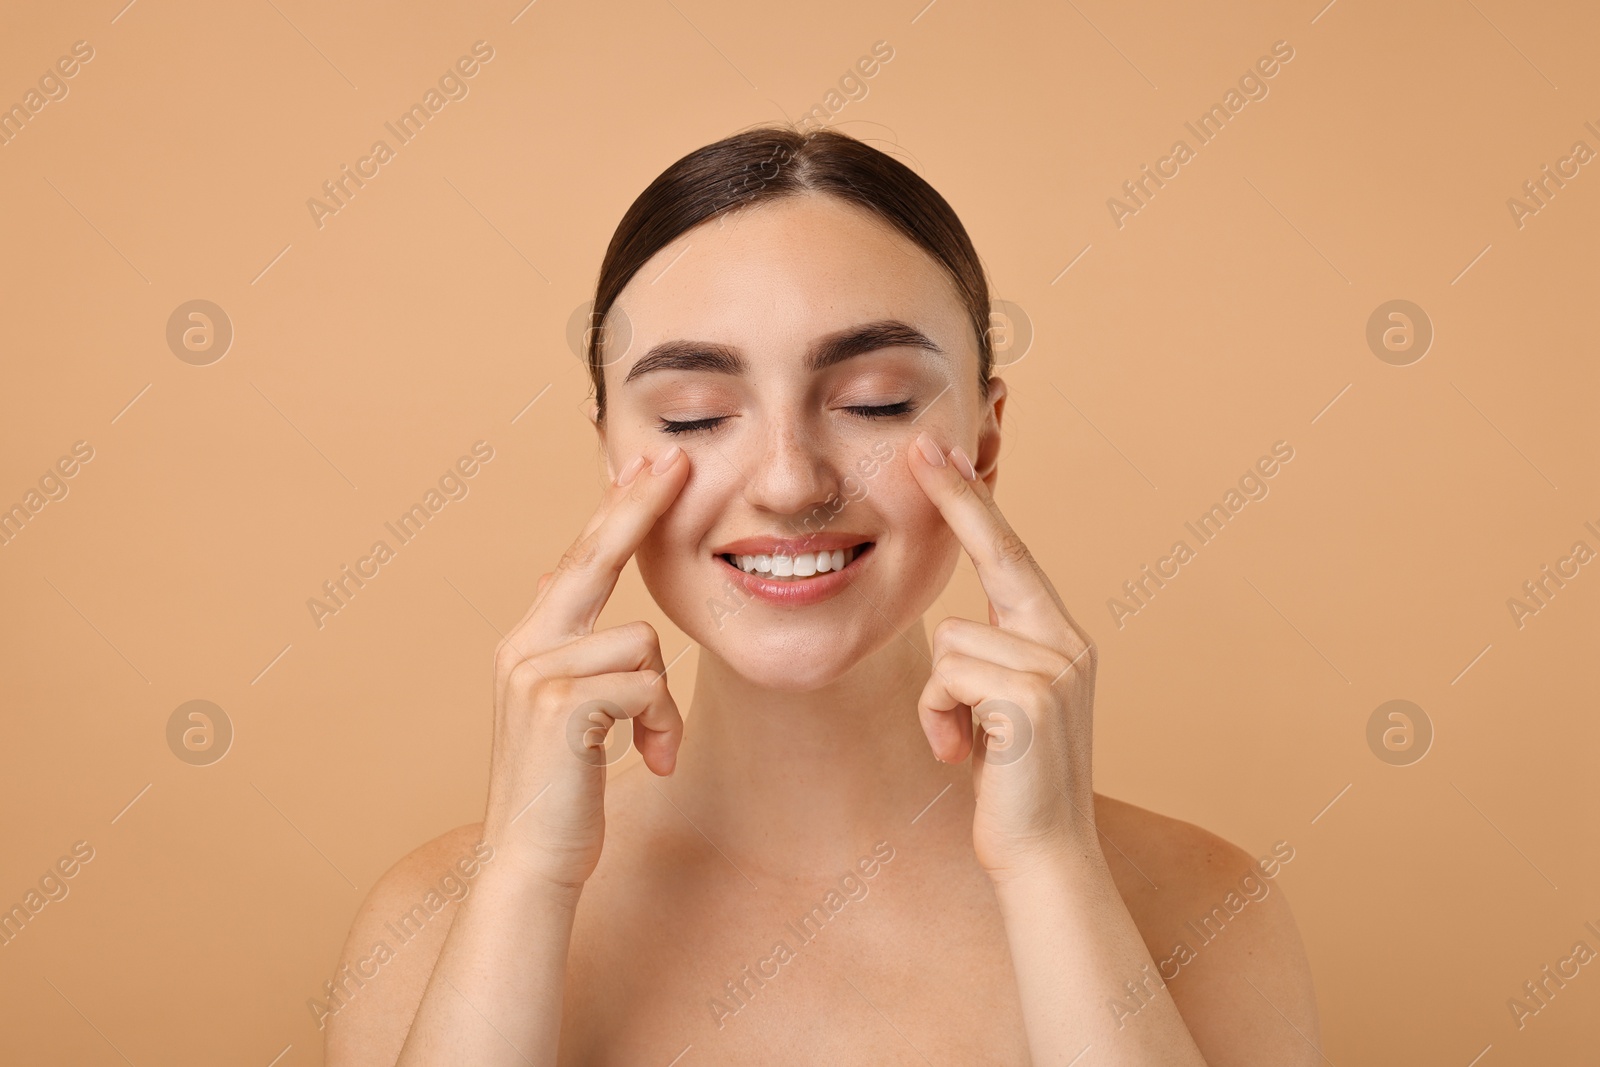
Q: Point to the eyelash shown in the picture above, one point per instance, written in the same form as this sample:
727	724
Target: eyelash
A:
881	411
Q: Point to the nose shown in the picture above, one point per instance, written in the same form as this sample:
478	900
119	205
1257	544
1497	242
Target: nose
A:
790	474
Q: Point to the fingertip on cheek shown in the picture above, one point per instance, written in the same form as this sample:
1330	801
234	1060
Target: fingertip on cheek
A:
628	473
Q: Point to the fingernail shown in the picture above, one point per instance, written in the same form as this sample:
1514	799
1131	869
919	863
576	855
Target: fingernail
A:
963	464
666	459
930	451
631	471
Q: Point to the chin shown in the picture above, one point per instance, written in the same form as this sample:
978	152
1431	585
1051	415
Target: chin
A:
804	674
792	655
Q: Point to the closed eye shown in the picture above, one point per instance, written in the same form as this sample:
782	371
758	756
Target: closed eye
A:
866	411
882	411
692	425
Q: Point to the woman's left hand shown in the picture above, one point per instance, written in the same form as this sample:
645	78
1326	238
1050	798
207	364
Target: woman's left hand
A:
1028	676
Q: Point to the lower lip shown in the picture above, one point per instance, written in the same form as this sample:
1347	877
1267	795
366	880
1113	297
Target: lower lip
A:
802	592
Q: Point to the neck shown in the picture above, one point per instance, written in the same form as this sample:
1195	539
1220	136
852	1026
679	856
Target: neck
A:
810	780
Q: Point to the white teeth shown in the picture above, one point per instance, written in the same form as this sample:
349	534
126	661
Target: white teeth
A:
801	565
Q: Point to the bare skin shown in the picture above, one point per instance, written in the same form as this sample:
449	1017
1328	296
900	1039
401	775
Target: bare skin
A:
971	899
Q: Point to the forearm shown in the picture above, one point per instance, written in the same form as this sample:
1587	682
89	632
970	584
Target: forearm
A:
495	994
1076	952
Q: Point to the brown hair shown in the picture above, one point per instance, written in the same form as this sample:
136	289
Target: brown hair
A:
770	162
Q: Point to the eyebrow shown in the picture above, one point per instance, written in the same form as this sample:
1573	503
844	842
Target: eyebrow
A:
824	352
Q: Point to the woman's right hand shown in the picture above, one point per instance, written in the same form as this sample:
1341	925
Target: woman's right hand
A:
559	687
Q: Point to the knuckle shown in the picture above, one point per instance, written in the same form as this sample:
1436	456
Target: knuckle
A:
524	676
506	664
582	553
558	693
642	635
1061	664
1011	549
1080	658
655	683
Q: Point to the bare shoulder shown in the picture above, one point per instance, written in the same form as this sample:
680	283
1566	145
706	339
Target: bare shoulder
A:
1218	925
367	1007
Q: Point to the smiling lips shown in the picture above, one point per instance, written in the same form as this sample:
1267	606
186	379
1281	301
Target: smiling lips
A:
802	565
795	572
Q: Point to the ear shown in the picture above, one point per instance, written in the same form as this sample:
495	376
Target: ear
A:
591	411
988	459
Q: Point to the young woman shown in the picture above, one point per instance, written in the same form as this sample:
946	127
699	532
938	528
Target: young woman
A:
868	846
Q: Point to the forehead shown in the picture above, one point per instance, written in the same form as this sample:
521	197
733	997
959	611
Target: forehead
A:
775	275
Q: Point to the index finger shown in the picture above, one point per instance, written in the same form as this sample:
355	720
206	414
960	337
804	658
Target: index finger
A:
1021	595
588	572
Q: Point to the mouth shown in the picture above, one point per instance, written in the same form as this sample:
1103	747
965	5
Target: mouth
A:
795	572
799	566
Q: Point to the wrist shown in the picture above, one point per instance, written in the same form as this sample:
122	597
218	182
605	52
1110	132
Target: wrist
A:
527	885
1069	866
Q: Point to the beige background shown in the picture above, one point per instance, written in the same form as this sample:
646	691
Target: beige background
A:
369	354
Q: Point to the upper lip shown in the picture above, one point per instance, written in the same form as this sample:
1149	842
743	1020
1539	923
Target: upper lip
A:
790	546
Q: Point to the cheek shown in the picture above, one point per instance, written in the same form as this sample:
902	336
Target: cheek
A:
923	539
675	543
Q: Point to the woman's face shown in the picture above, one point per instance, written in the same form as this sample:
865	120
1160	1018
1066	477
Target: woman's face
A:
795	349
